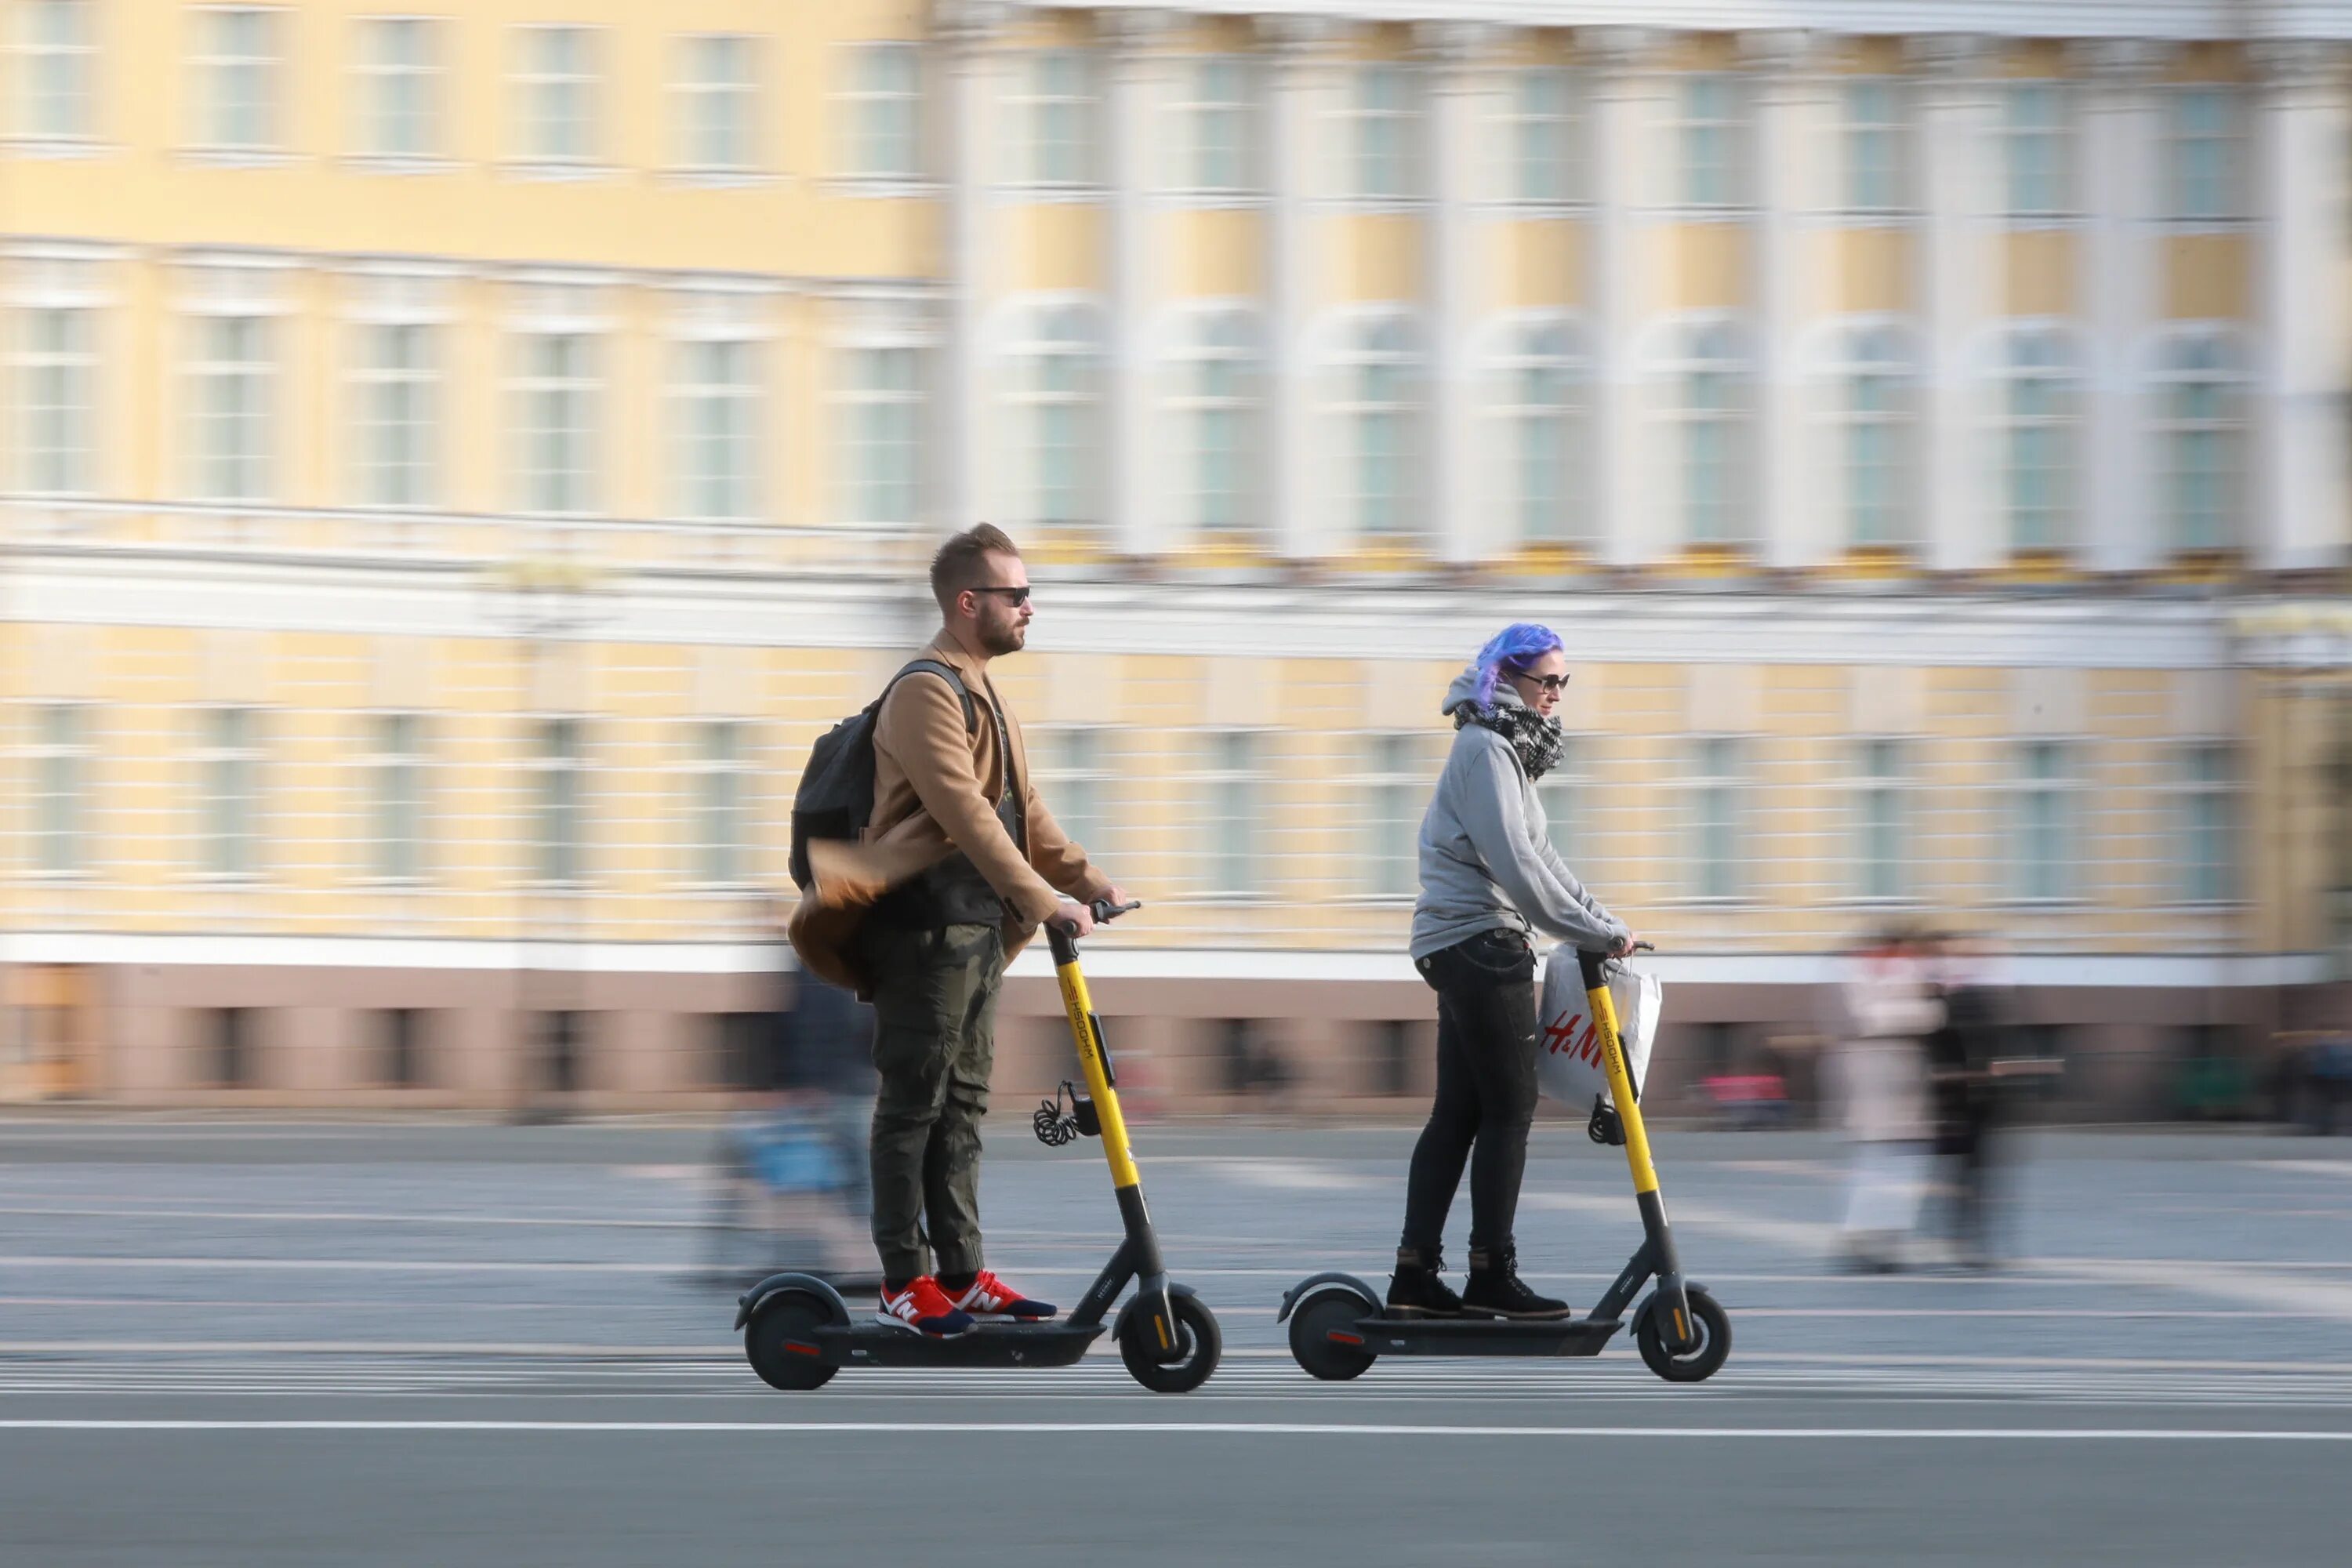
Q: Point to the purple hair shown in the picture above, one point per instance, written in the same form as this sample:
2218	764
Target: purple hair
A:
1513	651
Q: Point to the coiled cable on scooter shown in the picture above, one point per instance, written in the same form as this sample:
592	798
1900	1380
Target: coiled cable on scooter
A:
1055	1125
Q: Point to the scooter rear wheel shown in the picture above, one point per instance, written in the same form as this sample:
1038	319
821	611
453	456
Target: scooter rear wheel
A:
789	1320
1703	1360
1198	1344
1311	1345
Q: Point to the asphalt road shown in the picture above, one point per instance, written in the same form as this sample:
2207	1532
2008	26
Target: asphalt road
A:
269	1343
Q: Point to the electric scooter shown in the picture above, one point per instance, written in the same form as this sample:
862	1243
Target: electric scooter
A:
1339	1325
798	1331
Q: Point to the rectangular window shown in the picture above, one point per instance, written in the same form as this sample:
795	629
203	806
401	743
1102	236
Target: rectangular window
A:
1056	112
398	383
1229	815
1074	769
2205	145
718	416
717	92
231	403
1561	795
2206	790
556	397
61	784
559	808
2044	852
883	106
400	87
559	88
722	777
1880	828
1214	406
881	402
1711	134
1716	844
397	809
1876	138
2037	141
1400	772
56	50
2038	444
236	80
1217	122
1381	146
229	762
1546	136
56	377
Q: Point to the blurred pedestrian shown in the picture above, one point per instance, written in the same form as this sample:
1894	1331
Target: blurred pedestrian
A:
820	1057
1488	874
1966	1094
1879	1074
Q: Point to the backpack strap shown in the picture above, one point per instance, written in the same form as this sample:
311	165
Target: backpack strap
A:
946	672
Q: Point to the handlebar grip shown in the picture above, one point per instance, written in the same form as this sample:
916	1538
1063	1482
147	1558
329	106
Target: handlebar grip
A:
1104	909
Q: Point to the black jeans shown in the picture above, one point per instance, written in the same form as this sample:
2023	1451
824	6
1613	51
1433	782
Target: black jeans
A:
1485	1092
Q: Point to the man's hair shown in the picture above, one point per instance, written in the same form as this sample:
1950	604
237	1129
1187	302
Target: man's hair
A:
957	566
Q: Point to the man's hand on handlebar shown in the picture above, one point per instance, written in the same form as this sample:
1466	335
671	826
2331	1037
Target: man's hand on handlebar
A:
1075	919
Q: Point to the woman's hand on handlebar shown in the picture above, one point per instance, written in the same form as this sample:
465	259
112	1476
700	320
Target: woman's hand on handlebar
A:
1625	945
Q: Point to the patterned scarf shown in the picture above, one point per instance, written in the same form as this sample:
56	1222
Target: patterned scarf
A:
1535	738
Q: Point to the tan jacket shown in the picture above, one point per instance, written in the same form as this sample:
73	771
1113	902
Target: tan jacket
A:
935	790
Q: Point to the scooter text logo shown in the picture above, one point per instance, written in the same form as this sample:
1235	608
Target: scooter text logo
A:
1572	1033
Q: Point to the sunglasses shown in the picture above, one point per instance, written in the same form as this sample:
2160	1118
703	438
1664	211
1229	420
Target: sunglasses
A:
1555	684
1014	597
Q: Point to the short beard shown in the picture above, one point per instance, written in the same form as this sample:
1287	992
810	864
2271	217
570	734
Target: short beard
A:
1006	638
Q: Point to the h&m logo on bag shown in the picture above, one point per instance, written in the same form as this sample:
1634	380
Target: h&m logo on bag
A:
1574	1034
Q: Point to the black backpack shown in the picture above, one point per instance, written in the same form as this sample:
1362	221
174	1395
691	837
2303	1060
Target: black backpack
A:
835	798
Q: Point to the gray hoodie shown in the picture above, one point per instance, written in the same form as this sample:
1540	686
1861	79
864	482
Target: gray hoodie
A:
1486	859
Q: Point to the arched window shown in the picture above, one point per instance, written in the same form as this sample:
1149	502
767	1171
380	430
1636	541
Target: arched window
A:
1216	393
2038	423
1379	380
1053	404
1539	416
1710	415
2200	431
1875	413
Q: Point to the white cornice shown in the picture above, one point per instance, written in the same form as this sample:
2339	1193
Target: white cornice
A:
2168	19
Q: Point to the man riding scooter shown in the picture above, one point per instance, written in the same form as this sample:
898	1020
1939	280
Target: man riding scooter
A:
967	863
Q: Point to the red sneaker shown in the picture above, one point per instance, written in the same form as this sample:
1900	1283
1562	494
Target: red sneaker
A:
924	1308
992	1297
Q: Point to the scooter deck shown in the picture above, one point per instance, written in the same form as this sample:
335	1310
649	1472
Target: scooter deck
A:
989	1344
1486	1336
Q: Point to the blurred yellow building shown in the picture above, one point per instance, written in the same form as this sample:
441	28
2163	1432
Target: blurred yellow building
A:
456	461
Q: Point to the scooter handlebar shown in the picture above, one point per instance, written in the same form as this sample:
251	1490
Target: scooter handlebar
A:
1101	908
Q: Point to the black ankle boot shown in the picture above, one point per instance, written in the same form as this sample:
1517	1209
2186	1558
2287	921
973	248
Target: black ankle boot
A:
1418	1288
1495	1290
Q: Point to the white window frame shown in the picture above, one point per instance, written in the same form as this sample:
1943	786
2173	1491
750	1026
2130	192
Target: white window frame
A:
1229	768
400	92
1074	768
2202	361
555	99
1876	420
1381	127
557	767
1209	165
1875	140
399	785
220	472
1710	357
57	74
1051	394
1545	138
1542	348
2034	361
60	756
1056	103
1712	172
861	403
1397	770
2207	121
717	325
1563	792
260	62
538	466
231	752
1215	384
55	393
1381	374
397	465
2205	815
720	806
1884	780
705	103
2037	878
1712	784
881	111
2039	119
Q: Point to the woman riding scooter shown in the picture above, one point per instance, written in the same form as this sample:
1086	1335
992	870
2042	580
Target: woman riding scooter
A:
1488	874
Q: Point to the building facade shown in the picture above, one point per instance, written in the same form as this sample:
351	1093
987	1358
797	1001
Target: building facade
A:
457	460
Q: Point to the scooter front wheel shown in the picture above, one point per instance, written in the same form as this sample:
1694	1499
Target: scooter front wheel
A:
1703	1360
1198	1344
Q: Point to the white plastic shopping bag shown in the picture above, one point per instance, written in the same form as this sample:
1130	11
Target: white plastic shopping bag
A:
1568	1046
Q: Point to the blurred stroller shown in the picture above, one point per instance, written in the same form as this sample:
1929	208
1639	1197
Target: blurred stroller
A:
791	1189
